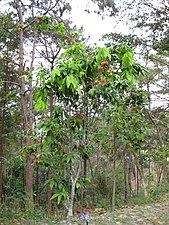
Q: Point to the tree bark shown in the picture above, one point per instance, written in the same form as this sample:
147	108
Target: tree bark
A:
37	185
140	174
84	188
114	186
125	180
49	194
25	124
1	143
49	190
130	174
74	178
160	175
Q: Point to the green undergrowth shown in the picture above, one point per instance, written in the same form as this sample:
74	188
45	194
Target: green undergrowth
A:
14	211
155	193
31	216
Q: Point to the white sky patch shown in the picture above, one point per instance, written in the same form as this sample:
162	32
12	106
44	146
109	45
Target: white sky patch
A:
93	24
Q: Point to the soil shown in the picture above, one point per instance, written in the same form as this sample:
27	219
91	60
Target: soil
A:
152	214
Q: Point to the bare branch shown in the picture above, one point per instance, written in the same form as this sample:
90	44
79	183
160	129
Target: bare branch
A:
44	14
156	127
10	60
11	82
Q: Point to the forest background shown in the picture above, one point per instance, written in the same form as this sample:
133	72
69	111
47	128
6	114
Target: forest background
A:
83	126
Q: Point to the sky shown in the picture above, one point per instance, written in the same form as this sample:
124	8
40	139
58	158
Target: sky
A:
93	24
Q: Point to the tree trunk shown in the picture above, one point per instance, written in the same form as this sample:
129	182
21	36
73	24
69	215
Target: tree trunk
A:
1	144
74	178
49	190
125	181
84	188
93	174
1	166
137	179
25	124
49	194
37	185
160	176
130	174
29	179
114	187
114	171
142	182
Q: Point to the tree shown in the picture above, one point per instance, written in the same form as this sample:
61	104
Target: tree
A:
8	47
23	27
148	36
84	82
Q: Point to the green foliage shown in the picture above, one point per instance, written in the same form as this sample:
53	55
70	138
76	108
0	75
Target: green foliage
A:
11	214
79	69
45	23
60	196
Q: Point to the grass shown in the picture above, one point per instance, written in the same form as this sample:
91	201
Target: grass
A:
139	210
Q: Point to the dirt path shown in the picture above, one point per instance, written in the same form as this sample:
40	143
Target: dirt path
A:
153	214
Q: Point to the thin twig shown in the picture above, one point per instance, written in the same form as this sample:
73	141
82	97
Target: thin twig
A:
11	82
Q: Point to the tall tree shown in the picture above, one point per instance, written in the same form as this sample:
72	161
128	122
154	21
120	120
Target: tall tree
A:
9	43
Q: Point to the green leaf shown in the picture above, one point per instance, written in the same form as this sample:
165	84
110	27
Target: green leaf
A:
106	53
59	199
68	81
74	81
44	105
71	80
60	195
92	91
99	56
127	59
52	183
61	186
130	77
38	103
54	196
78	185
55	72
79	91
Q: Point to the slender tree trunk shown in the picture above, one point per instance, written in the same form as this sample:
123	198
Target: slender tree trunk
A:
137	180
114	186
1	169
160	139
114	172
125	181
23	177
49	194
29	169
37	185
142	182
2	130
93	174
49	190
1	174
1	143
11	176
130	174
160	175
84	189
28	142
74	178
85	141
